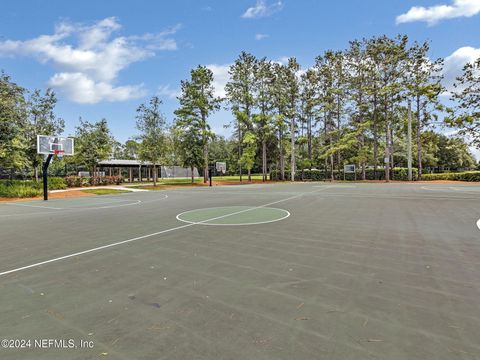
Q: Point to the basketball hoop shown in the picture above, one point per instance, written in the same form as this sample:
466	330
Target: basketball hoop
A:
58	153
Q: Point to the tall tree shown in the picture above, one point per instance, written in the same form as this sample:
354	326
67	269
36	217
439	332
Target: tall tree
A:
197	103
130	150
357	79
466	114
240	94
423	84
292	95
13	122
188	145
93	143
248	157
41	121
151	123
263	119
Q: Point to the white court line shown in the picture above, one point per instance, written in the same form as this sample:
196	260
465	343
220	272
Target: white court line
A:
478	224
337	186
75	209
36	206
378	196
147	236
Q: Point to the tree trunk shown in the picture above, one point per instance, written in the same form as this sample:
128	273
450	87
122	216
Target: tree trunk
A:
205	163
240	150
282	158
249	175
309	141
387	145
35	171
332	177
292	161
154	174
419	140
264	160
193	178
375	137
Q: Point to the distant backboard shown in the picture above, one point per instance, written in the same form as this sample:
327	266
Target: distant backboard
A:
349	169
54	145
221	167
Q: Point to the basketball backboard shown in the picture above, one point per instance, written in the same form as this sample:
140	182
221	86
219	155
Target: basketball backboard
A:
54	145
221	167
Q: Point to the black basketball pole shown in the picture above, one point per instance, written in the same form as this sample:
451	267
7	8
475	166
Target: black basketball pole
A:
210	175
45	176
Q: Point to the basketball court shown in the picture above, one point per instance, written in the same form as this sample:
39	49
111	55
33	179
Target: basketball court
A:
279	271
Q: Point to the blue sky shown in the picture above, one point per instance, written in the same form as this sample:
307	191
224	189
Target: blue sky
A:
104	58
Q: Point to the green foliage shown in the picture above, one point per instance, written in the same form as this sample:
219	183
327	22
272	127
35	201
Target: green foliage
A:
80	181
454	176
55	183
93	142
399	174
12	124
197	103
18	190
466	115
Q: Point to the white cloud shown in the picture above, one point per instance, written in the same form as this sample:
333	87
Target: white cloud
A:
81	89
454	64
94	59
165	90
262	9
433	14
220	78
259	37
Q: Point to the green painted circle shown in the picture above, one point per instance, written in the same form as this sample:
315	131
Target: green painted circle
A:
233	215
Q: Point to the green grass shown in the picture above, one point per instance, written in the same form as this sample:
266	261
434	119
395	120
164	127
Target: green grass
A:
104	191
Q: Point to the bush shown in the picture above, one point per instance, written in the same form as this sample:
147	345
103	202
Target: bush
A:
55	183
78	181
461	176
319	175
13	190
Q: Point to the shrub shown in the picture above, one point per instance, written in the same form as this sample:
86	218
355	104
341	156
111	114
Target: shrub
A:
55	183
14	190
460	176
319	175
78	181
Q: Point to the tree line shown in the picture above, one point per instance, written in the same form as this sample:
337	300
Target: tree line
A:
351	107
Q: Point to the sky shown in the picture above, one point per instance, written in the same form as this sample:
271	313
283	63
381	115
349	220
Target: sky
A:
105	58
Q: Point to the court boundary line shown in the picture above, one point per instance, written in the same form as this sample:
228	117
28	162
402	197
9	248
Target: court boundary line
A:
137	238
77	209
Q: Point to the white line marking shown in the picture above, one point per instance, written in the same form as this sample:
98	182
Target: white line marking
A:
235	213
145	236
75	209
337	186
92	250
36	206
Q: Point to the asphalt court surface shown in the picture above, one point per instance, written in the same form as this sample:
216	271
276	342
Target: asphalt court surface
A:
355	271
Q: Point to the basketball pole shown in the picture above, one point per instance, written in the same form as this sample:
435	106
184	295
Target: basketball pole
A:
45	176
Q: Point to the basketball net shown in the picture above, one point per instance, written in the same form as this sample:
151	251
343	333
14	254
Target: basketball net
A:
58	153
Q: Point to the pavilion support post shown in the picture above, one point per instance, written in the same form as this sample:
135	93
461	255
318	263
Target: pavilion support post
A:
130	175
